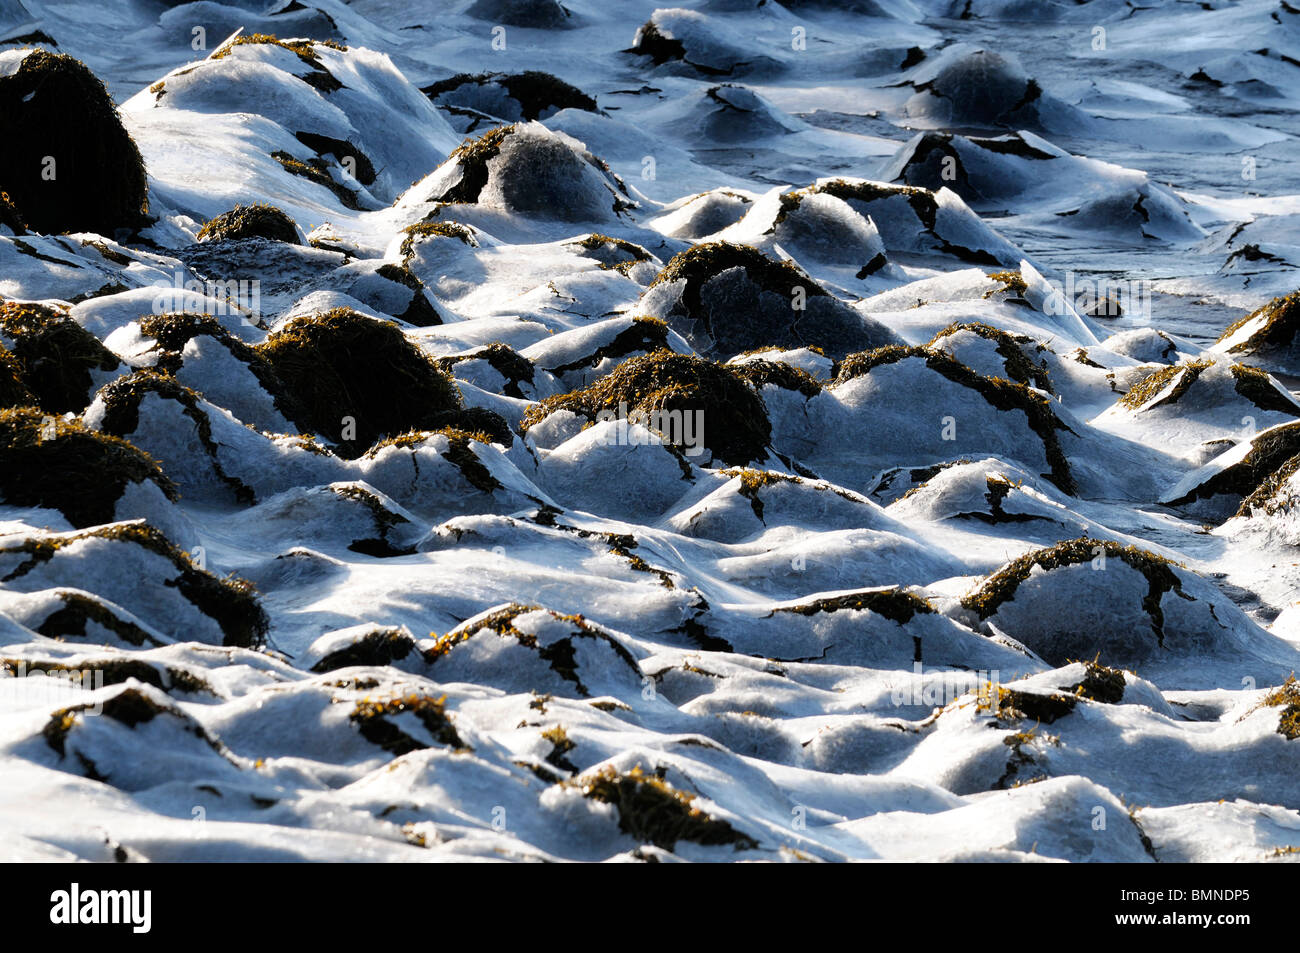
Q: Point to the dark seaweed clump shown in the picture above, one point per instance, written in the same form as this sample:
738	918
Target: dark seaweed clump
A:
736	426
54	355
340	364
52	462
654	812
251	221
55	108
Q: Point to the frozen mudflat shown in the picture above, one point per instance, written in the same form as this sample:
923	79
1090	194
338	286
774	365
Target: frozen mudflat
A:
536	430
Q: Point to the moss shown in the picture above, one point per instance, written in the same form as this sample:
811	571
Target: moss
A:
122	399
317	170
699	263
318	77
1012	284
10	217
1267	498
473	156
1041	708
1260	389
643	335
921	201
505	360
230	601
108	254
1020	758
103	291
1149	387
1269	452
385	522
339	363
342	151
434	230
1080	356
1286	697
1001	587
172	332
55	353
535	91
52	462
654	44
998	488
622	544
462	455
654	812
420	312
559	655
380	646
897	605
614	254
1101	684
53	106
13	392
1281	319
753	481
761	373
372	719
251	221
1000	393
79	610
736	431
561	745
1010	347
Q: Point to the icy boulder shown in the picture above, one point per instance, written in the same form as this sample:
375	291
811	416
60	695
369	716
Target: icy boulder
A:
1052	188
819	230
584	354
695	42
213	456
727	298
696	404
871	413
342	118
202	355
1203	400
1267	336
59	362
529	170
533	14
521	648
1218	488
509	97
917	221
1089	598
974	87
702	215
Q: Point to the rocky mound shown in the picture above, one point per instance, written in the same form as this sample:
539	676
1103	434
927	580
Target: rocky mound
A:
357	379
728	298
671	390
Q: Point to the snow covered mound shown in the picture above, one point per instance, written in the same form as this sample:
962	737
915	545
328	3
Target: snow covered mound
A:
555	430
